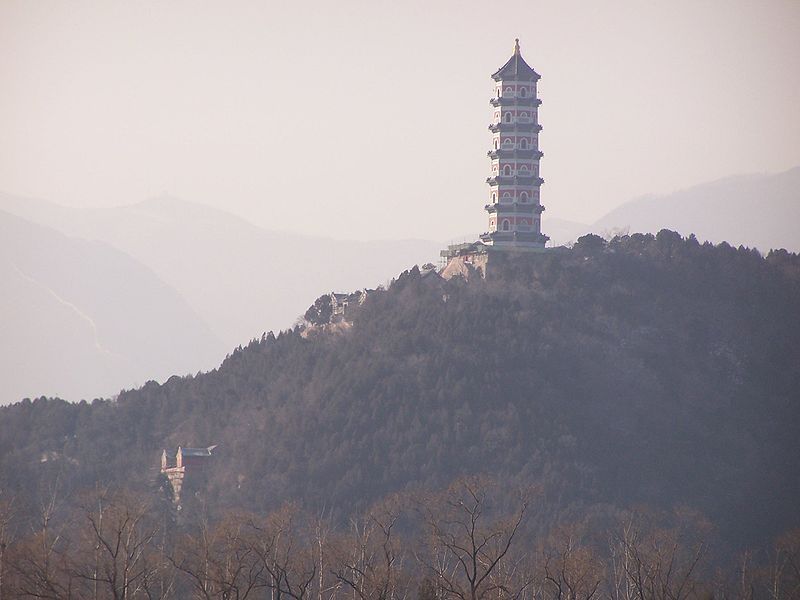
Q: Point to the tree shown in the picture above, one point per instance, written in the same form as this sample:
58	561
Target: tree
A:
427	590
41	562
219	561
283	549
571	570
780	578
6	537
117	554
370	560
657	563
470	542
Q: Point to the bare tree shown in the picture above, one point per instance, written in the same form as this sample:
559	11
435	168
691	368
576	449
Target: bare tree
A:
652	563
323	531
284	549
468	549
219	561
370	559
40	563
571	570
6	513
780	579
116	554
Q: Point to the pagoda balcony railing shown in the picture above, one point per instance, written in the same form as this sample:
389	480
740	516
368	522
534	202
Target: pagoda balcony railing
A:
514	236
527	127
515	101
514	207
515	153
514	180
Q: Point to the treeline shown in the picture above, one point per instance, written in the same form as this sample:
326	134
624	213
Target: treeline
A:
646	370
470	541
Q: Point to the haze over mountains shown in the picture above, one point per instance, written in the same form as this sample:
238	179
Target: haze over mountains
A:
236	280
225	280
758	211
81	319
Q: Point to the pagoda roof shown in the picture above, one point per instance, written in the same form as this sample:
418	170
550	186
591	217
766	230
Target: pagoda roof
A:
516	69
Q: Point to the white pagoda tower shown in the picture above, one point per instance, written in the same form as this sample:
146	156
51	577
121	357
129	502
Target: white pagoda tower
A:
515	208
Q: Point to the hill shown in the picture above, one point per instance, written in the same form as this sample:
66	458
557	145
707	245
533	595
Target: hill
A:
240	279
81	319
758	211
645	371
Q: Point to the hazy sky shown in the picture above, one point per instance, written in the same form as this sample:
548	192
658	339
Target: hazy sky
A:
367	120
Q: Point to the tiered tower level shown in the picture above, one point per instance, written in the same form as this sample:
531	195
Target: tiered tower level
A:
515	209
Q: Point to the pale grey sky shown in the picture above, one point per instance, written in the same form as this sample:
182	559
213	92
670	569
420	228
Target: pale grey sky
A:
367	120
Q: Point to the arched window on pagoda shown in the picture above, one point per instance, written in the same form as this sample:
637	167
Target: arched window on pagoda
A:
507	117
507	171
506	225
523	143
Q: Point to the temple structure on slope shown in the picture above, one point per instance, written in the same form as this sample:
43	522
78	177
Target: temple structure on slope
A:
191	461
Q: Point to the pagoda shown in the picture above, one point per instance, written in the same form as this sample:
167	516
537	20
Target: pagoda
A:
514	207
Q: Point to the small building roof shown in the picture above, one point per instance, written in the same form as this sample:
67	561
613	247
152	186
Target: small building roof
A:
197	451
516	69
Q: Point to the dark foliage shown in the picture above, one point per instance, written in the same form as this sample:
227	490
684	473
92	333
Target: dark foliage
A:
320	312
644	370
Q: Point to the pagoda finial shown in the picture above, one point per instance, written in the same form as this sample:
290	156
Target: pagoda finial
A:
516	46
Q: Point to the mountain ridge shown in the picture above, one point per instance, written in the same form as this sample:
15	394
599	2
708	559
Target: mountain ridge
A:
106	320
755	210
239	277
648	370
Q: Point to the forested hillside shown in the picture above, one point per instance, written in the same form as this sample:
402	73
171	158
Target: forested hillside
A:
646	371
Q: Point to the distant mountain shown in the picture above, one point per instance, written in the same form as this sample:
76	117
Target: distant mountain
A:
80	319
563	232
241	279
761	211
